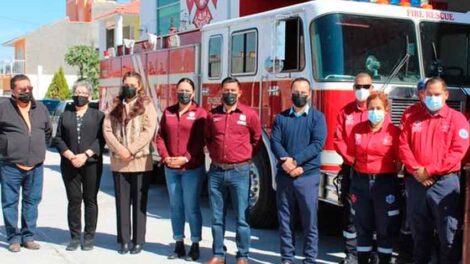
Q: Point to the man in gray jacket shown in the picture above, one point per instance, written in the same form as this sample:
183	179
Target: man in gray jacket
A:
24	130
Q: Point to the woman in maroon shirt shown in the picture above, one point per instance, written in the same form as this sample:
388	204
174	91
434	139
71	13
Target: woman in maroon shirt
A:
180	142
375	188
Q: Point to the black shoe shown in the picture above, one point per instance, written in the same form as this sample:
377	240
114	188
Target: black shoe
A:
124	249
193	254
73	245
179	251
136	249
88	245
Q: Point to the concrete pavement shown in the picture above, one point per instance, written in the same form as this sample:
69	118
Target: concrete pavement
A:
53	232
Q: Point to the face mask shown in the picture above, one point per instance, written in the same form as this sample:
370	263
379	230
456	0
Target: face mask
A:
362	94
299	100
229	98
375	116
128	91
80	100
184	98
433	103
25	97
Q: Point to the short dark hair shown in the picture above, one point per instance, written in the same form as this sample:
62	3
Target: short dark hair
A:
18	77
434	80
186	80
299	79
230	80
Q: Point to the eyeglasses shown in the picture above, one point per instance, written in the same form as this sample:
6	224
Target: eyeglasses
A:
362	86
24	89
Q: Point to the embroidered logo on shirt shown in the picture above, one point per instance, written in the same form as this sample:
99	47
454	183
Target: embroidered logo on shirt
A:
445	127
349	120
463	133
216	119
387	140
390	199
357	139
242	120
417	127
191	116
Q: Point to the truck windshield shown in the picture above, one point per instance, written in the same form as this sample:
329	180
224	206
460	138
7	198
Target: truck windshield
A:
446	51
344	45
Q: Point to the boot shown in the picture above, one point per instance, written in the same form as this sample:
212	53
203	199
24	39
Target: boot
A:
179	252
193	254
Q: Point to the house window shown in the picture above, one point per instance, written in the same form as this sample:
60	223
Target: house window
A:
215	56
168	15
244	52
109	38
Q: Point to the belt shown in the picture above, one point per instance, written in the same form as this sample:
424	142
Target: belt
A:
229	166
374	176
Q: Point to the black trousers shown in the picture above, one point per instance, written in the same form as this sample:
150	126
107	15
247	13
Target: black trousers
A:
349	230
82	184
131	189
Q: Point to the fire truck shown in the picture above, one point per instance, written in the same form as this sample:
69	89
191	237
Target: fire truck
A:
326	41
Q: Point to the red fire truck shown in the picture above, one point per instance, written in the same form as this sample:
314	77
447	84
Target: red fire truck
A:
327	42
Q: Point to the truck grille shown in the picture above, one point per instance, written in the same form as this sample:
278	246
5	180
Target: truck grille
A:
399	106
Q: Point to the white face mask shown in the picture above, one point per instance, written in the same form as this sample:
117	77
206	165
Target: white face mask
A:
362	94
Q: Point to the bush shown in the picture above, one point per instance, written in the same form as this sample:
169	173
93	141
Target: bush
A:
58	89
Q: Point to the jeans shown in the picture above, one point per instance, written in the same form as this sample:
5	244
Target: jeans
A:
237	182
30	183
184	189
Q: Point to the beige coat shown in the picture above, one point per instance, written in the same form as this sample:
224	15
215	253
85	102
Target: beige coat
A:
139	133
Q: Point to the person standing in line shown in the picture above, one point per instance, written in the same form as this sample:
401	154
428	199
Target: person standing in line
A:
376	190
79	140
297	140
181	146
129	129
233	133
432	145
405	245
24	130
350	115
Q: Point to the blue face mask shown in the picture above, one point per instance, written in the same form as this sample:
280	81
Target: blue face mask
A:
433	103
376	116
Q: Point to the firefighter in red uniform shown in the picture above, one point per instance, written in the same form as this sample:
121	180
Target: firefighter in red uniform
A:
405	245
233	133
352	114
375	187
432	145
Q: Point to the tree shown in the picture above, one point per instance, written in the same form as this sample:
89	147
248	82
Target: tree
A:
58	89
87	60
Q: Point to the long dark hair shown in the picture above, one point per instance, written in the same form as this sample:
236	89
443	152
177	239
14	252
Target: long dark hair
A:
138	109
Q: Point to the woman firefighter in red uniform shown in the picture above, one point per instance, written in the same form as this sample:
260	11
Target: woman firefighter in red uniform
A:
375	187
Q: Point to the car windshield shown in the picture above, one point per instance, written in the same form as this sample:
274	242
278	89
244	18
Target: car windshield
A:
446	50
344	45
51	104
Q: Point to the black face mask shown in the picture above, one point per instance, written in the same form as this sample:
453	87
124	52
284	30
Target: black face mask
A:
299	100
184	98
128	91
24	97
229	98
80	100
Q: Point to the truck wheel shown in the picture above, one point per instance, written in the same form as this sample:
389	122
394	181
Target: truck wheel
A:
263	212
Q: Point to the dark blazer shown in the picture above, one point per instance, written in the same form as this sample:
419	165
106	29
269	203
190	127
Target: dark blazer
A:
91	133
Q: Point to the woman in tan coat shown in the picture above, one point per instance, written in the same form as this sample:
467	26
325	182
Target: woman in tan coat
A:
129	129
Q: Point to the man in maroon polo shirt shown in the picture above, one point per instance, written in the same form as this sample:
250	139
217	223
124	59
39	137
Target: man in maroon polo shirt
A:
233	133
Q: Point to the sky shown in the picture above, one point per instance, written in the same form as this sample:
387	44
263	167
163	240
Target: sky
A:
18	17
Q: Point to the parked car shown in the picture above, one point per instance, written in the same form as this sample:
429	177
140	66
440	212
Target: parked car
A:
51	104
